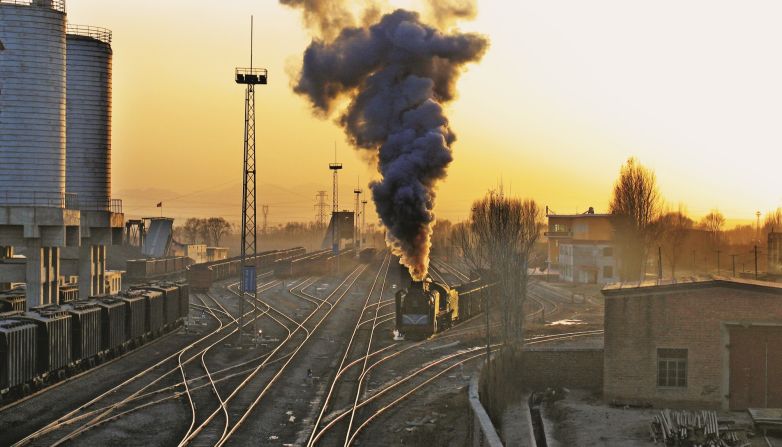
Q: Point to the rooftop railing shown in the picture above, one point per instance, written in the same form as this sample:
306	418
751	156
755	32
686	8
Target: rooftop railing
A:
57	5
37	199
94	32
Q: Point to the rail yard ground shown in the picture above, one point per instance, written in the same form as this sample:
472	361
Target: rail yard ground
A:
322	368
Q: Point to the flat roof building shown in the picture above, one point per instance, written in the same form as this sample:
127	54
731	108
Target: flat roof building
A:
706	342
581	247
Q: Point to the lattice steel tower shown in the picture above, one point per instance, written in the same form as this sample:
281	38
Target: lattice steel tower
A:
250	77
320	208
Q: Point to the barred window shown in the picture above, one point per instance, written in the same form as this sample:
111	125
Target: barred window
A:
672	368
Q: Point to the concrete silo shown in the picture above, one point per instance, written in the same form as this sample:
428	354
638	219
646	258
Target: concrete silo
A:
32	104
88	173
34	210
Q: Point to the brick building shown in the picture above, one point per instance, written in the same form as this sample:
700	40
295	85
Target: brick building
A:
581	247
713	343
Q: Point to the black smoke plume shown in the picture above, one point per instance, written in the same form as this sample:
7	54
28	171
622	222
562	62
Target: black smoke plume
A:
395	75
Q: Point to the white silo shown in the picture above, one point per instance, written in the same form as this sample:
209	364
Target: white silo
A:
88	172
32	103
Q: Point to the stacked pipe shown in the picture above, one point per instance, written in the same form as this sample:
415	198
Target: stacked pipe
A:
696	429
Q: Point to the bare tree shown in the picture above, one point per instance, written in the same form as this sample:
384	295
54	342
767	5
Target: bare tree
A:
216	228
506	229
192	230
473	253
773	221
636	204
673	229
713	224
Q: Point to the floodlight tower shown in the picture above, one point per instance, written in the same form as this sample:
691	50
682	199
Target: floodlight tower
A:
335	168
250	77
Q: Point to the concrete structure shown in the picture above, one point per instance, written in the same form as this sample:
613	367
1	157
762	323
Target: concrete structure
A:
33	213
196	252
774	262
113	282
88	173
37	217
581	247
707	343
216	254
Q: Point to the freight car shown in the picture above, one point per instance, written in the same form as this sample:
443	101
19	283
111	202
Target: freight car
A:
174	309
141	269
202	276
68	293
50	342
427	307
304	264
13	300
86	330
18	344
367	255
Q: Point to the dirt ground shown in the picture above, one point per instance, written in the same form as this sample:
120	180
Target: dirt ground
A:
582	419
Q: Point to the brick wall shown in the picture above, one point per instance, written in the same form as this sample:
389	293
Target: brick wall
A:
567	367
638	322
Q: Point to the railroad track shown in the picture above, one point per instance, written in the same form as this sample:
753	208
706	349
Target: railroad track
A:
339	389
249	394
398	389
117	396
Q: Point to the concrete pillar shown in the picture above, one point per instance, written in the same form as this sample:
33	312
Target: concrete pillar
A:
43	273
92	269
6	252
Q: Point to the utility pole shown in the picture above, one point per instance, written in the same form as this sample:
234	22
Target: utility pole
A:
756	262
320	208
265	209
757	214
335	235
356	212
718	261
363	221
733	257
250	77
659	263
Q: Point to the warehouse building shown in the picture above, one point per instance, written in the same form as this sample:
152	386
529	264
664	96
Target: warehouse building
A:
707	343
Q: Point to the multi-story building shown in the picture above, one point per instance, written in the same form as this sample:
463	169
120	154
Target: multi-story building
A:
581	247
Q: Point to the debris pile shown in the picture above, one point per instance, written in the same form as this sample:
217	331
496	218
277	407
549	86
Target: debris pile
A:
695	429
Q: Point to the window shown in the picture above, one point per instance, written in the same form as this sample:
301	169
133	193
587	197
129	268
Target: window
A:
672	368
608	251
608	271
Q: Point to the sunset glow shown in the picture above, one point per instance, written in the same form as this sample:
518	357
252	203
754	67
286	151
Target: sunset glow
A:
566	93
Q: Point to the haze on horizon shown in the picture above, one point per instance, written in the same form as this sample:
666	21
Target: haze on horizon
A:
566	93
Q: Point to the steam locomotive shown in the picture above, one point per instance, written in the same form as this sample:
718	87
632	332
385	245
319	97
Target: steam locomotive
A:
427	307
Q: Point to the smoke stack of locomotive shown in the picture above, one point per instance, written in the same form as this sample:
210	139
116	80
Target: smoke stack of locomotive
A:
395	75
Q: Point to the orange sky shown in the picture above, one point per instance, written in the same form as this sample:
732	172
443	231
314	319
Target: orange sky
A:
566	93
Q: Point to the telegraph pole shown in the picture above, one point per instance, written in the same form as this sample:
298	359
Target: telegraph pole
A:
265	209
756	262
356	213
757	214
733	257
718	262
363	221
250	77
